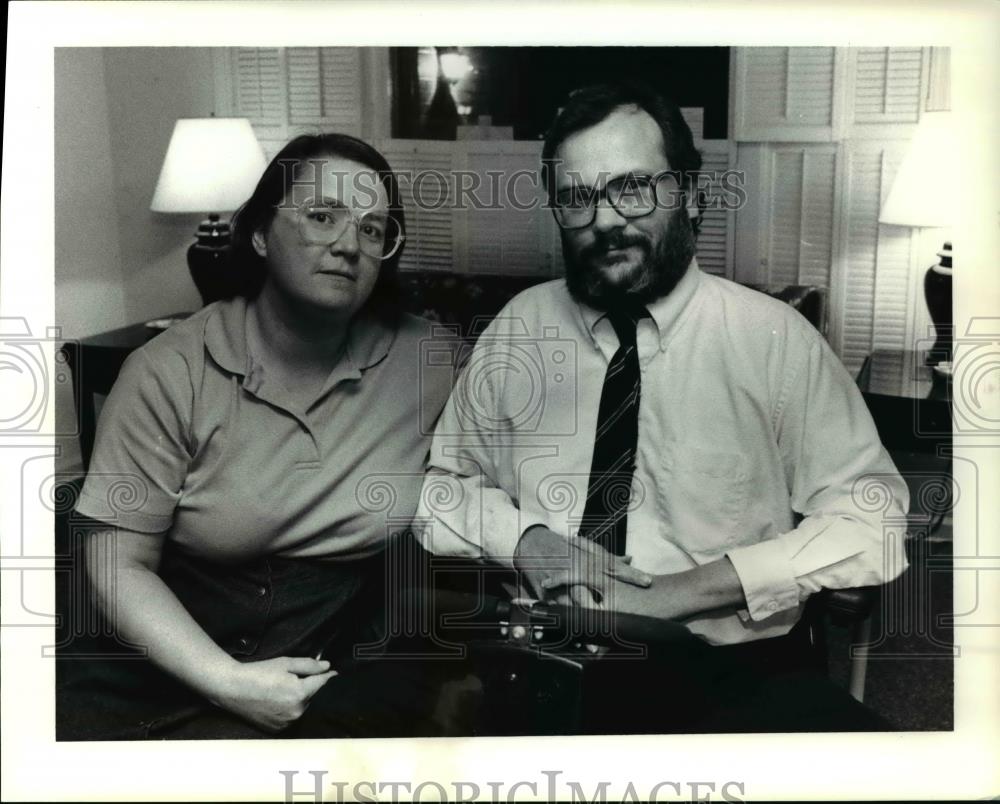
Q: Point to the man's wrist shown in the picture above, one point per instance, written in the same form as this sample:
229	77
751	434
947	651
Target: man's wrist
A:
684	594
708	587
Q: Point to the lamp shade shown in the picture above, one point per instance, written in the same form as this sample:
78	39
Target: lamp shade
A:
212	165
923	192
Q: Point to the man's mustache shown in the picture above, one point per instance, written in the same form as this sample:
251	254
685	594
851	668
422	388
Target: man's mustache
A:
615	240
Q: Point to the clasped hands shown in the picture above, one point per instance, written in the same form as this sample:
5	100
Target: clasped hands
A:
577	571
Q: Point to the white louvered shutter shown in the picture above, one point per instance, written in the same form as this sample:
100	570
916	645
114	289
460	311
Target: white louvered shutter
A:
878	292
424	169
809	86
715	240
787	93
301	90
324	89
259	94
800	239
510	231
887	84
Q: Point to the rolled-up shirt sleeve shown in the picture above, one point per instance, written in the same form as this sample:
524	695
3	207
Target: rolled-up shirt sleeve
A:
841	481
463	515
141	450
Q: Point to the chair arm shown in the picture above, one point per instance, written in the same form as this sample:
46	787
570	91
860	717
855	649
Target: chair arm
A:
809	300
849	606
543	626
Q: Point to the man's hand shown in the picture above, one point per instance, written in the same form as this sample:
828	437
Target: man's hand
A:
274	693
571	569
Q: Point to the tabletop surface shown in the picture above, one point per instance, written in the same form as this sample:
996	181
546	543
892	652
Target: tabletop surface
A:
902	374
130	337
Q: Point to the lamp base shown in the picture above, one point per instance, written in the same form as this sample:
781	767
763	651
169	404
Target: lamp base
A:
937	292
208	261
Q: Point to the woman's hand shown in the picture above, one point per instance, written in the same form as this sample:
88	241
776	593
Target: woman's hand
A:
555	566
273	693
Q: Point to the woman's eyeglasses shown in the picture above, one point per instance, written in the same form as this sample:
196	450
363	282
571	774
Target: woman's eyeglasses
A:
379	235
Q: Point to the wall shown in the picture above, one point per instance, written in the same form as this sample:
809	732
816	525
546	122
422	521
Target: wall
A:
116	262
90	288
148	89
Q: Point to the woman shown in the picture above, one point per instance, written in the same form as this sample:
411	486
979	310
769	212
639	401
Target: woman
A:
241	456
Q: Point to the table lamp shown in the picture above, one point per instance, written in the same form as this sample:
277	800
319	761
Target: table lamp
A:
923	196
212	166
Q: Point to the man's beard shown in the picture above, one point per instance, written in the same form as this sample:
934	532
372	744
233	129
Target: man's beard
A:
658	273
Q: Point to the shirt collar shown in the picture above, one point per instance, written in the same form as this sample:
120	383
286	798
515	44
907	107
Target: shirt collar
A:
225	335
368	340
666	312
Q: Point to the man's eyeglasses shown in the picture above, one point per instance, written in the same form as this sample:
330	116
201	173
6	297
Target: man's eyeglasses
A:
379	235
632	196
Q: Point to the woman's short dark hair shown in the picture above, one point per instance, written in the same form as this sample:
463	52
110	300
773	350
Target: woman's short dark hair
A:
590	105
277	182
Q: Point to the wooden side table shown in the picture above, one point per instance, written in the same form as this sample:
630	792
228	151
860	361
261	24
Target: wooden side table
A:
95	362
910	402
911	406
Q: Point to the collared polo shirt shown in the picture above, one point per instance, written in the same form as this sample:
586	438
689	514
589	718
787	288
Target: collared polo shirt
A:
198	439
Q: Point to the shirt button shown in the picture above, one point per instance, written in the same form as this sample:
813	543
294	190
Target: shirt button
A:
772	606
261	591
244	643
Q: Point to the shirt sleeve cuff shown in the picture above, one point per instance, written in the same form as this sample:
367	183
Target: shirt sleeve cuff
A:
141	521
505	527
767	578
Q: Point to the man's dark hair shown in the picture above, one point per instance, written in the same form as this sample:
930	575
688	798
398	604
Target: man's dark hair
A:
590	105
276	183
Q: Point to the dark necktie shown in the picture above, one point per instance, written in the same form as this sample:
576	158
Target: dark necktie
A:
605	515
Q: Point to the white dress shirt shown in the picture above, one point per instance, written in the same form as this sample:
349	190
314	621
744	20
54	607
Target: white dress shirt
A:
754	443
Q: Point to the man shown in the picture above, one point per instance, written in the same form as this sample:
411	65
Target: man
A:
646	438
